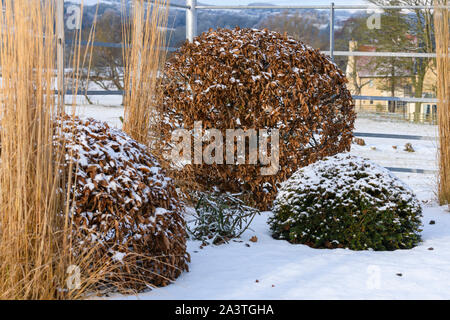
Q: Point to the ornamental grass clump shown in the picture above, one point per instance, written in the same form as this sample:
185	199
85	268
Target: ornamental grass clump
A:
144	36
346	202
255	80
441	19
32	255
85	208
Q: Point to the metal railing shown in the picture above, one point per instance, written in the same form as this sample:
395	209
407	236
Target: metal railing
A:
192	8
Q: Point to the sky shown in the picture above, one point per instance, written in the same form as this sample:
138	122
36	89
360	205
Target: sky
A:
285	2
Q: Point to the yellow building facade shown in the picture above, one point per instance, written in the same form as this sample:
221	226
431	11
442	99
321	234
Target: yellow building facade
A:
364	81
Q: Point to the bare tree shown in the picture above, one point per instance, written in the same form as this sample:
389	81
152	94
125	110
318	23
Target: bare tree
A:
106	70
303	27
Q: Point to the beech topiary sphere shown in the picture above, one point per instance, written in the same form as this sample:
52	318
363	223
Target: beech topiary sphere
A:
257	79
124	205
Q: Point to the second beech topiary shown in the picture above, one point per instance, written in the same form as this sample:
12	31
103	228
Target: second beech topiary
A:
256	79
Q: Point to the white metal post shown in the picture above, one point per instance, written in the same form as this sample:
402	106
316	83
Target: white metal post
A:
60	52
191	20
332	31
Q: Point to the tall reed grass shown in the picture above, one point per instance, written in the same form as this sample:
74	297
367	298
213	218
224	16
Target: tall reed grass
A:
38	259
30	246
441	18
144	37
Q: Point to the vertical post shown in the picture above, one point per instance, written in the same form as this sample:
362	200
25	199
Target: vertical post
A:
191	20
60	53
332	31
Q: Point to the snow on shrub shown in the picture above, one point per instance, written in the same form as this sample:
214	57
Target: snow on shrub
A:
123	203
256	79
346	201
219	217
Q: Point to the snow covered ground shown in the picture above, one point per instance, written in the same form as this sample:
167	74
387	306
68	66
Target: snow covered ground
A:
275	269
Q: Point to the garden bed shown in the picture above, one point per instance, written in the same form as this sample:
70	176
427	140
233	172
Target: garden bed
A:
286	271
276	269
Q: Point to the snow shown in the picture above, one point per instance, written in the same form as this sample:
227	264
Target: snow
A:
118	256
286	271
298	272
133	174
338	175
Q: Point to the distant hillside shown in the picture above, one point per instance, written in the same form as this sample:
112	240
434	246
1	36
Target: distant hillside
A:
210	18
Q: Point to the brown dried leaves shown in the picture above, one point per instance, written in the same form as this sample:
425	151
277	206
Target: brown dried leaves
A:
122	200
257	79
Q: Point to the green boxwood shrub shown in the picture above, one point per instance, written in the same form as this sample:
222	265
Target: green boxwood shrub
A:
346	202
